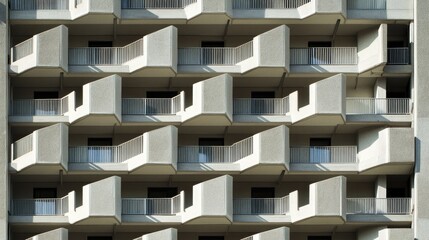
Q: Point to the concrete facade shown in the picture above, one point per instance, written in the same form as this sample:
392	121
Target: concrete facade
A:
213	119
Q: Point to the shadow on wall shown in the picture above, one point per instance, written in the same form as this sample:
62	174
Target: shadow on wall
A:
3	12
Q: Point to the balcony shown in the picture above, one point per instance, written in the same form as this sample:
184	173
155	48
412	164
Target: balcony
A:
379	9
154	51
261	106
323	155
152	206
65	10
43	152
264	54
43	53
324	56
398	56
138	155
153	106
264	4
40	207
156	4
378	106
261	206
264	152
379	206
40	107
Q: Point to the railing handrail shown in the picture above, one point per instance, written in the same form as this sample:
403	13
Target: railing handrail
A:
324	56
392	206
323	154
28	5
19	208
368	105
366	4
151	206
169	4
272	4
22	49
22	146
276	205
161	105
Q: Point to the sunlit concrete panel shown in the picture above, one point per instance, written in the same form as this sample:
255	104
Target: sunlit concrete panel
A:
211	102
372	48
212	202
384	233
386	150
282	233
101	203
45	151
167	234
57	234
46	50
327	203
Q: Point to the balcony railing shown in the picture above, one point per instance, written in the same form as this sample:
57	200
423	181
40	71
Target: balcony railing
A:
216	55
151	106
156	4
398	56
324	56
151	206
261	106
23	5
22	49
40	107
330	154
40	207
265	206
366	4
106	154
105	55
264	4
373	206
216	154
22	146
386	106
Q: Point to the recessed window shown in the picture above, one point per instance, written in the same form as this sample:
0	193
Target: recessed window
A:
100	44
45	95
161	94
161	192
99	238
211	238
319	238
212	44
44	193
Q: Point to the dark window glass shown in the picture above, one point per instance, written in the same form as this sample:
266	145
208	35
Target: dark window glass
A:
99	141
161	192
44	193
263	192
211	238
161	94
319	151
212	44
100	44
45	95
319	238
99	238
211	142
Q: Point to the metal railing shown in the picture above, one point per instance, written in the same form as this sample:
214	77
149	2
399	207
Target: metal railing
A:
22	146
151	106
215	55
106	154
392	206
398	56
151	206
40	107
366	4
261	106
22	49
387	106
323	56
105	55
156	4
330	154
266	206
40	207
216	154
262	4
23	5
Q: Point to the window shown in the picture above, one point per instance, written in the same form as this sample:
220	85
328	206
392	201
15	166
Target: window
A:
99	238
319	238
213	44
211	238
161	94
262	202
44	193
45	95
154	106
319	150
99	150
46	108
100	44
208	154
161	192
316	56
259	103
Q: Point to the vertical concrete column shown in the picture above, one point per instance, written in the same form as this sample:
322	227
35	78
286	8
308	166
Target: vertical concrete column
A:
381	187
380	88
421	119
4	133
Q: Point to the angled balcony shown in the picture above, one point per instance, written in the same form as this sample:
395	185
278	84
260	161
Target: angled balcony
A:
282	233
211	202
63	10
255	209
214	11
42	152
380	9
139	155
327	203
325	106
264	152
378	106
385	233
286	9
153	109
379	210
166	234
45	52
154	53
139	210
57	234
267	53
261	109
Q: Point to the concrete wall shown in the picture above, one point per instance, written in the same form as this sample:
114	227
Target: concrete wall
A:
103	6
160	48
384	233
167	234
372	48
282	233
57	234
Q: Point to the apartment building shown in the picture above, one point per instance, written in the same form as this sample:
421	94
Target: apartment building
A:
214	119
